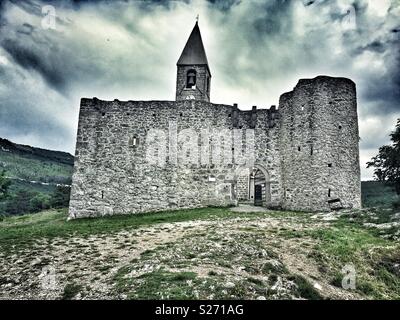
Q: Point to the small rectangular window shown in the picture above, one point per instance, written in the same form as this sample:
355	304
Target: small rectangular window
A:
134	142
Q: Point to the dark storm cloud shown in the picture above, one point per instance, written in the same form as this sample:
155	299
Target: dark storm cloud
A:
128	50
276	19
25	121
24	112
224	5
26	28
32	7
373	36
2	9
30	59
383	86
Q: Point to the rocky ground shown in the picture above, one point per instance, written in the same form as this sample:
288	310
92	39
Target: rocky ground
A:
239	253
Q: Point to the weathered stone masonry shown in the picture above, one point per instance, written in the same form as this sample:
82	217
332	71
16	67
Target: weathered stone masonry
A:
112	176
306	152
319	144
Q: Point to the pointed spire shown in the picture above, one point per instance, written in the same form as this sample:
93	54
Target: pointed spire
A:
194	52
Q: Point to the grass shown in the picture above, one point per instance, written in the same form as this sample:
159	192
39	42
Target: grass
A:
20	230
344	242
269	268
31	167
304	289
187	285
166	270
160	284
255	281
27	167
374	258
240	250
71	290
377	194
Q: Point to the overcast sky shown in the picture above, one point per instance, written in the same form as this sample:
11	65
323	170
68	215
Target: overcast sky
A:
128	50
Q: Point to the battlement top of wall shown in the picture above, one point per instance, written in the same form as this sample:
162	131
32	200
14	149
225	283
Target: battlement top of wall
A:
159	103
98	103
318	81
325	79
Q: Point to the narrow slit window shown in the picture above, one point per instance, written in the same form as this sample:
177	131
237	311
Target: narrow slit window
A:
329	193
134	142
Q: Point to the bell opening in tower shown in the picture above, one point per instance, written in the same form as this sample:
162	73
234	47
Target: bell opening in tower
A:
191	79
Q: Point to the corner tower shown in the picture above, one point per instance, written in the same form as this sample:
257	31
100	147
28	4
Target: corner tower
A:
319	141
193	76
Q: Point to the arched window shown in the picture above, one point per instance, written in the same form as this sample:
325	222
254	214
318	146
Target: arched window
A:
191	79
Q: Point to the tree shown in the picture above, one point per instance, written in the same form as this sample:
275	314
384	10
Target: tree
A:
19	203
387	162
39	202
4	185
60	197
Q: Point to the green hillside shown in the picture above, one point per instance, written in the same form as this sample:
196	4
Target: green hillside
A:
377	194
35	164
35	175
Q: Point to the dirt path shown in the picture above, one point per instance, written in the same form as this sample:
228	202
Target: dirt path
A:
236	249
92	261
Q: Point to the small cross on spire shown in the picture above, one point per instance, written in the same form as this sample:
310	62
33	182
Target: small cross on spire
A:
197	18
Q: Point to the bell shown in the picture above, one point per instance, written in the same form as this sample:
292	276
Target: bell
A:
191	80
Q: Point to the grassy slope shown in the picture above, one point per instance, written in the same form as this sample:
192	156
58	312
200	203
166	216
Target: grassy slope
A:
31	167
375	252
19	234
24	164
377	194
53	223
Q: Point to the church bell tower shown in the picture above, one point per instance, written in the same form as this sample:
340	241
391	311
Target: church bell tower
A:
193	75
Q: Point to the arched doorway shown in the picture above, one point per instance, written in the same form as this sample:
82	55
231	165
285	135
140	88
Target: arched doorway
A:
260	186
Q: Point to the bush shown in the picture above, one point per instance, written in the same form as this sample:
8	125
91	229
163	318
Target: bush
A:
60	197
4	185
19	202
39	202
26	201
396	205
